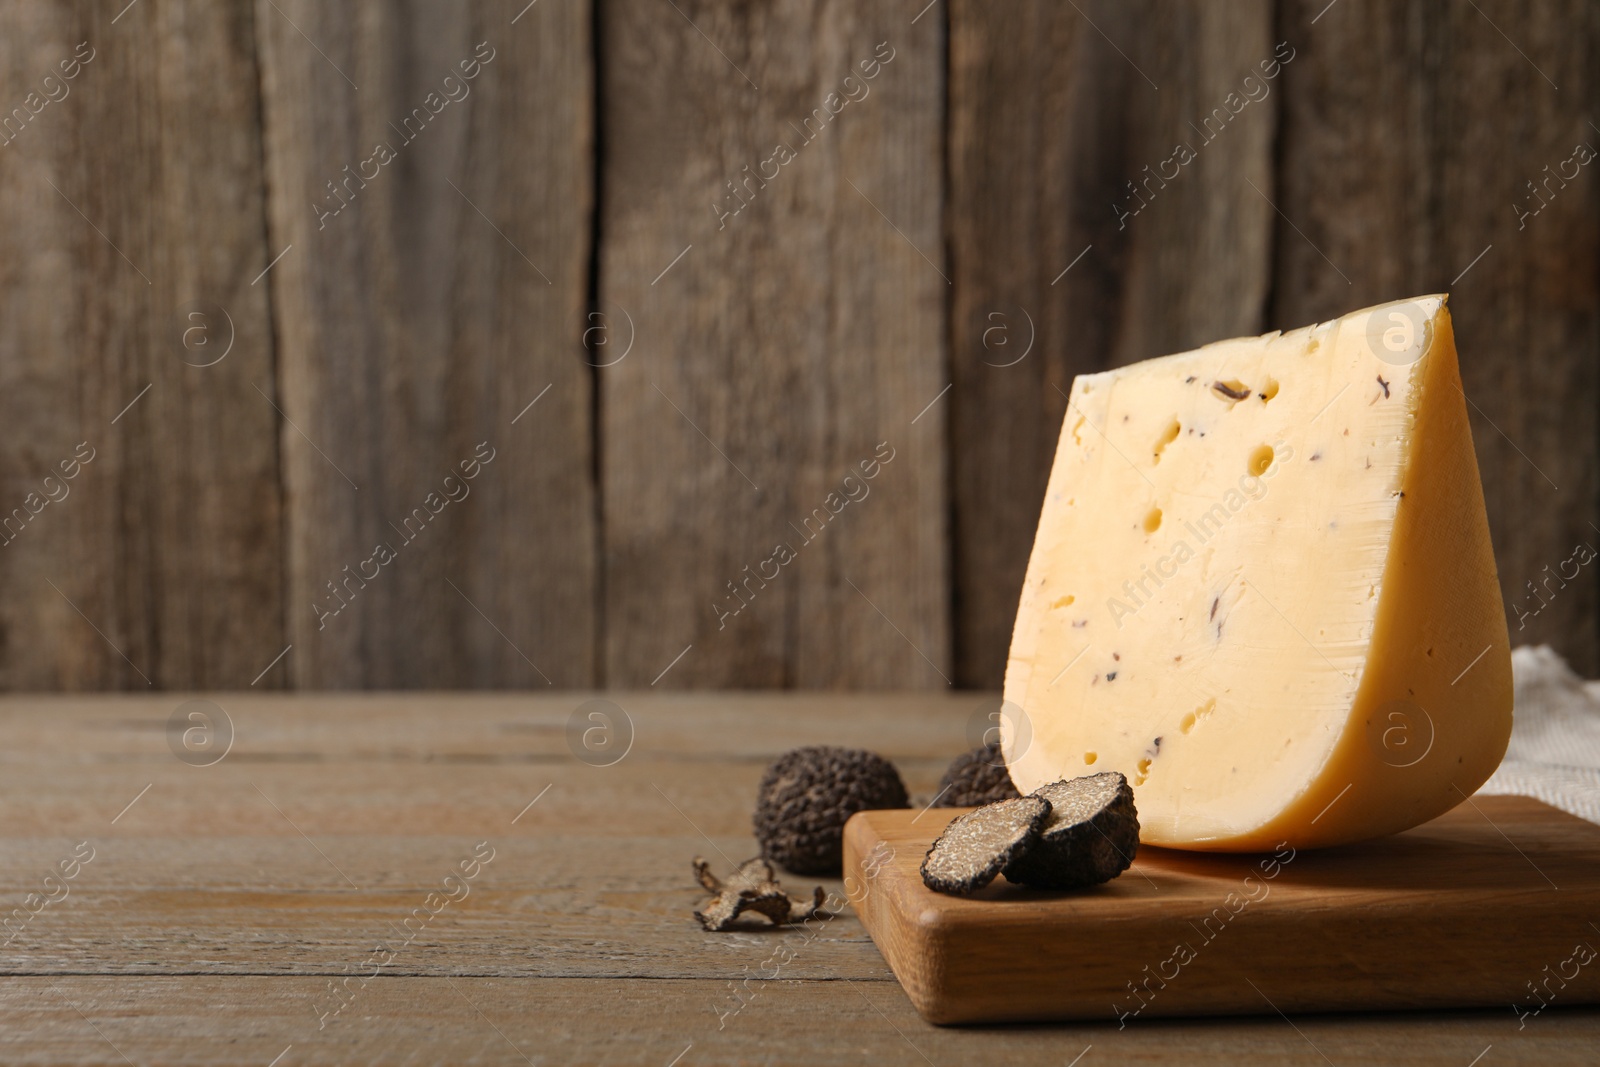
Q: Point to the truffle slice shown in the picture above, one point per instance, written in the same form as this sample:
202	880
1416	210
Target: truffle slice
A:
1090	837
974	778
807	795
751	888
978	845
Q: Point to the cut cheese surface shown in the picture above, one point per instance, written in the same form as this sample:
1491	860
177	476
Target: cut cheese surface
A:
1262	588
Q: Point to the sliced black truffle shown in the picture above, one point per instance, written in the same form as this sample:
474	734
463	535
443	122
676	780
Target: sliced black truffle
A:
974	778
807	795
1090	837
751	888
977	846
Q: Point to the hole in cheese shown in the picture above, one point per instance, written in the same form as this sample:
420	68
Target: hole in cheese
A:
1090	757
1062	602
1260	460
1152	521
1269	390
1202	712
1168	435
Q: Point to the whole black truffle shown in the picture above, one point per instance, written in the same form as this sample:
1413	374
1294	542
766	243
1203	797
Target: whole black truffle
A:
975	778
807	795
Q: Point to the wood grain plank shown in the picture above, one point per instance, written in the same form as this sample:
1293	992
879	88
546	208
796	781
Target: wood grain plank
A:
544	907
771	223
1056	111
52	731
184	1020
132	196
202	874
1410	136
332	817
419	765
472	797
435	289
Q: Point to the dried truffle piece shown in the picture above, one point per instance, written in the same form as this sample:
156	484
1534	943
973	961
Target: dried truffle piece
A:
1090	837
974	778
978	845
807	795
752	888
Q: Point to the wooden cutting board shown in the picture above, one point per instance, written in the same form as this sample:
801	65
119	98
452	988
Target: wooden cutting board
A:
1493	904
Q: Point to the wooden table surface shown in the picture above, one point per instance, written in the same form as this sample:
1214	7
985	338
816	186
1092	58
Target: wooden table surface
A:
214	906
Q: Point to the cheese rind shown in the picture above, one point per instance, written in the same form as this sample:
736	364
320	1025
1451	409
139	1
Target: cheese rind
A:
1263	589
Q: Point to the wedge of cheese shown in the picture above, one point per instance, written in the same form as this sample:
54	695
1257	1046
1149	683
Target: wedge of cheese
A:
1262	589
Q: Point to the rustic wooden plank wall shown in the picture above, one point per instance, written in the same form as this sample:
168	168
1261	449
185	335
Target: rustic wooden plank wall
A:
131	198
734	255
432	175
796	169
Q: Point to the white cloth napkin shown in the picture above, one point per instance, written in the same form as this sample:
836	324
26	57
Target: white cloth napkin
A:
1554	753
